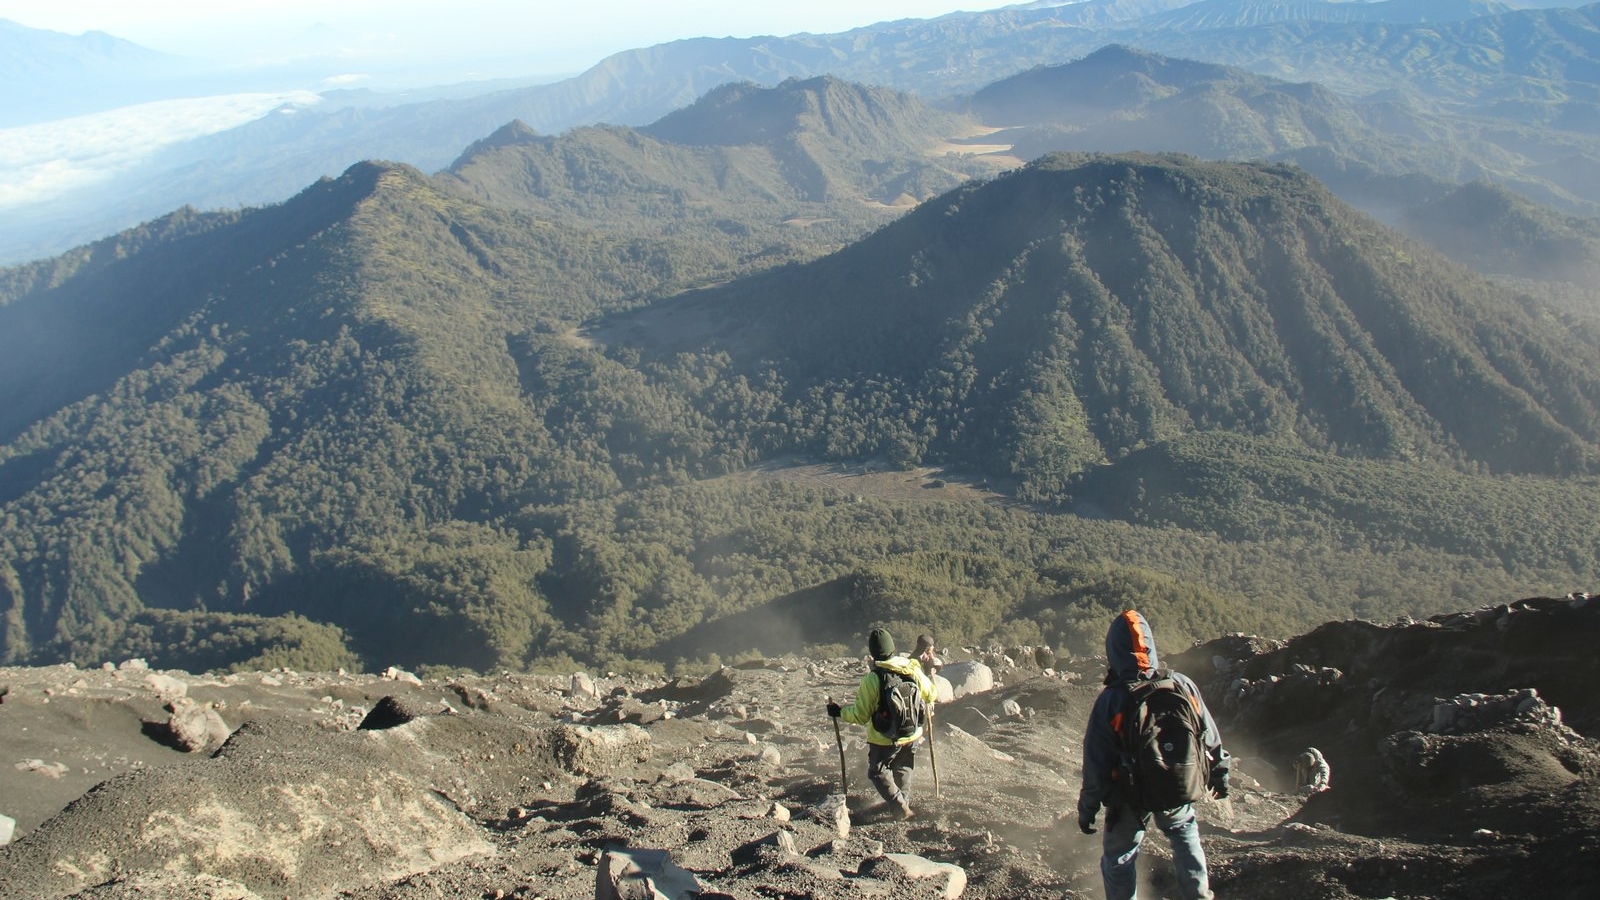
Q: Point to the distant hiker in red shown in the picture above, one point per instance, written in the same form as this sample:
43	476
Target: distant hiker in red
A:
1151	750
893	701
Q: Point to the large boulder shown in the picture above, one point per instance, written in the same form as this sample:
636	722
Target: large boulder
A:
194	727
598	750
969	677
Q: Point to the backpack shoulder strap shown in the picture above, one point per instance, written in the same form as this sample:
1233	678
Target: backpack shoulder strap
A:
1125	721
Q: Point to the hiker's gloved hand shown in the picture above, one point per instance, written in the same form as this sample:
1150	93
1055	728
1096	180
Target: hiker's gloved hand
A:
833	709
1086	824
1219	784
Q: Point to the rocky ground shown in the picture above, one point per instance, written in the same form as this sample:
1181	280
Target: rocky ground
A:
1463	767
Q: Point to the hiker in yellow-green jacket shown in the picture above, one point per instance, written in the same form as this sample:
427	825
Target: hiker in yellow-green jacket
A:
893	729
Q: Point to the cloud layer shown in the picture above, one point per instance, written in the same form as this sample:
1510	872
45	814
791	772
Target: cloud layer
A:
41	162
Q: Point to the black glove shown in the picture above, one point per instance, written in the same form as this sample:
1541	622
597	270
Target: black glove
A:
1219	784
1086	824
833	709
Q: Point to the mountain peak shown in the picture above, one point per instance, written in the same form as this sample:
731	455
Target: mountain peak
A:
512	134
824	106
1113	78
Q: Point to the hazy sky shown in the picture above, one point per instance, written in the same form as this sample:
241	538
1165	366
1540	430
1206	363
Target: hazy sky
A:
293	48
550	36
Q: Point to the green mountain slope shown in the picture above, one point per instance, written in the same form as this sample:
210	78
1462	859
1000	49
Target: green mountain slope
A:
325	373
1065	315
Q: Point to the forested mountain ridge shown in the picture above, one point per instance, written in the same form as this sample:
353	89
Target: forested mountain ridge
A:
299	380
1497	231
1244	13
753	169
1068	313
1383	154
1536	58
358	429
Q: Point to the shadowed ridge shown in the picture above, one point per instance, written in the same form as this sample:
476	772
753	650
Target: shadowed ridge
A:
77	306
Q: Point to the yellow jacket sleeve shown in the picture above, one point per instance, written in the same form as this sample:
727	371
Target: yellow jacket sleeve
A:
859	712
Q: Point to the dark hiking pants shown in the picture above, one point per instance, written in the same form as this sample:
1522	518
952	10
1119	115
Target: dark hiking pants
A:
890	769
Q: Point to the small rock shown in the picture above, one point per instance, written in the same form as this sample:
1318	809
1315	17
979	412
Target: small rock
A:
635	872
390	712
909	865
167	687
836	812
396	674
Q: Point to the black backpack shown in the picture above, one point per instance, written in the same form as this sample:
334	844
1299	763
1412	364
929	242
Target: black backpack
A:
1163	748
901	706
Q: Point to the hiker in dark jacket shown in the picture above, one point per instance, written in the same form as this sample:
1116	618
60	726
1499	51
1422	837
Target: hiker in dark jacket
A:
1131	657
890	763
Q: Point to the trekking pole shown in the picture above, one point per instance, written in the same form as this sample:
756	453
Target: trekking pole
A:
933	758
844	781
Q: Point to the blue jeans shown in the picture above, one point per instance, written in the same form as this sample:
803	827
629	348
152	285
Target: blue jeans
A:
1125	827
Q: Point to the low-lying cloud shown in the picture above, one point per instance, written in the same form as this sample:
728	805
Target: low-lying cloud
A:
39	163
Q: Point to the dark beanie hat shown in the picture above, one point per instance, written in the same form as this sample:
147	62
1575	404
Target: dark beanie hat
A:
880	644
